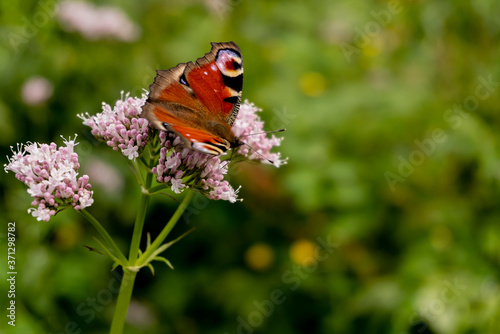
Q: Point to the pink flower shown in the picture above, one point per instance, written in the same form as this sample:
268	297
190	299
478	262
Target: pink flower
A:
51	174
121	127
250	128
181	167
97	22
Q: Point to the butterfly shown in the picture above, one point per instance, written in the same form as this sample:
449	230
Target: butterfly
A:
199	101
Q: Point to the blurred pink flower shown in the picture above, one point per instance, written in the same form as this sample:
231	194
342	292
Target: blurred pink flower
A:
104	174
120	127
51	174
97	22
220	7
36	90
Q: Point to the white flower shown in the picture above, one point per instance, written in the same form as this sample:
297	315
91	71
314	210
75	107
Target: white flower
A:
177	185
131	152
41	214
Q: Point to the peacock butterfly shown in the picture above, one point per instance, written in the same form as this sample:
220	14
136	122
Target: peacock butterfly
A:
200	101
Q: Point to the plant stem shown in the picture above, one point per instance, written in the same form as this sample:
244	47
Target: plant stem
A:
157	189
166	230
139	222
135	262
127	284
120	314
107	238
137	172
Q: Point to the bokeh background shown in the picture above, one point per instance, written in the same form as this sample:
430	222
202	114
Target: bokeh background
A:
385	220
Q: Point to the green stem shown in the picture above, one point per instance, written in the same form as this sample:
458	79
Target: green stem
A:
127	284
135	262
137	171
107	238
166	230
157	189
139	222
123	301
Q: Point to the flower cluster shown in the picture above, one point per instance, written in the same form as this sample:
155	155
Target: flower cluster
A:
121	127
203	172
51	174
97	22
250	128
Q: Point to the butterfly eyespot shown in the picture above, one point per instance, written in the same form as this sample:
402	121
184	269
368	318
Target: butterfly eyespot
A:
229	63
236	65
183	80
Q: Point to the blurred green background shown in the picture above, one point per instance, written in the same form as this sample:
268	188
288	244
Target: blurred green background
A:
391	110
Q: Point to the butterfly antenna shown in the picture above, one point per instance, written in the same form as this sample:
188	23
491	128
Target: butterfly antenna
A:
259	133
259	154
226	162
264	132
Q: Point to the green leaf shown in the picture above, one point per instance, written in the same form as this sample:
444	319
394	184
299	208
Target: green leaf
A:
150	266
92	249
162	259
108	252
115	265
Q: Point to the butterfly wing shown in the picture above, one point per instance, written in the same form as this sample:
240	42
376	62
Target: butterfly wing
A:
199	101
217	80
